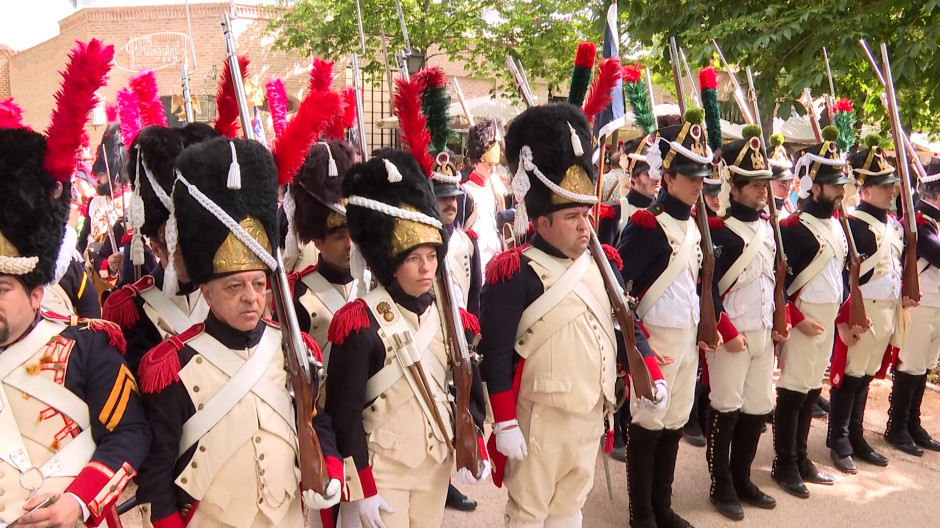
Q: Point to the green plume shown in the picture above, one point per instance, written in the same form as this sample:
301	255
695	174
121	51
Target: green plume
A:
776	139
639	100
830	133
751	131
845	122
694	115
580	79
712	117
873	140
436	107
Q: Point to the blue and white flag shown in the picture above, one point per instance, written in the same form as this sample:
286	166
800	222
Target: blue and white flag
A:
612	117
258	127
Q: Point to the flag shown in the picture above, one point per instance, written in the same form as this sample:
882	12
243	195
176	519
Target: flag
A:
258	127
611	118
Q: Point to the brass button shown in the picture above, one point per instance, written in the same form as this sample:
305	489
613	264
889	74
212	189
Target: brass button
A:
257	439
199	407
113	488
196	388
372	407
193	465
316	326
198	360
382	396
261	501
183	480
1	492
2	507
202	449
313	315
521	342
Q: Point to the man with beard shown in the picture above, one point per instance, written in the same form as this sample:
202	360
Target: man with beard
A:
462	249
816	253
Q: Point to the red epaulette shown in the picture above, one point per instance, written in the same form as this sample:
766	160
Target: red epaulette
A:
791	220
613	255
350	318
115	334
644	218
307	271
471	233
608	211
504	265
470	322
312	346
127	238
161	365
920	219
120	307
716	222
765	216
835	214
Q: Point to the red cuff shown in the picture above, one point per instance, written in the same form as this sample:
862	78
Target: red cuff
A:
482	443
653	367
504	406
368	482
174	520
89	483
794	314
643	329
335	468
843	315
726	328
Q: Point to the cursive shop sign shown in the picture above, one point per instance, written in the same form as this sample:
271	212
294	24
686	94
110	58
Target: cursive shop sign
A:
153	52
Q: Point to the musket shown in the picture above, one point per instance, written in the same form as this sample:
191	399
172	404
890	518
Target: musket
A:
401	58
466	446
518	80
857	315
911	152
360	119
780	258
463	102
362	35
649	88
738	93
184	71
910	282
306	372
688	72
708	323
107	169
832	87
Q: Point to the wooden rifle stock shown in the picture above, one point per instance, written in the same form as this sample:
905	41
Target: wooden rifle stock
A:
466	446
708	322
640	374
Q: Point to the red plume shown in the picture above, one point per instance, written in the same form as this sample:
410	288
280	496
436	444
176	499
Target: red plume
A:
843	105
707	80
349	108
111	112
334	128
85	73
130	116
599	95
290	148
430	78
226	101
11	116
321	75
144	86
277	104
585	56
632	73
414	132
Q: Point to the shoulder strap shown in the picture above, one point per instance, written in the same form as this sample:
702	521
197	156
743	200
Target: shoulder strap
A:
878	228
166	309
828	252
753	241
565	284
325	291
678	262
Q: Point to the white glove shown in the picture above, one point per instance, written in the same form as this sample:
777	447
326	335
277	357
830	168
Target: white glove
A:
465	476
509	440
330	497
661	393
369	509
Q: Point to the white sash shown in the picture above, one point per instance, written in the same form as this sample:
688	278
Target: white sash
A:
243	381
753	242
887	241
68	461
566	283
832	249
680	260
326	292
167	310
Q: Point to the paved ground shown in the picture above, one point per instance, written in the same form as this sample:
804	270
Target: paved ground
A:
906	492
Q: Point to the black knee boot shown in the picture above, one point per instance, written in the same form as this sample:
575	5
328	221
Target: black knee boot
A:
692	430
641	447
747	433
897	432
860	447
786	416
808	470
719	431
842	400
918	433
664	473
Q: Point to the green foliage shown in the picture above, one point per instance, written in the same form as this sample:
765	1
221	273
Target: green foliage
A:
782	42
541	34
845	122
712	117
750	131
639	100
830	133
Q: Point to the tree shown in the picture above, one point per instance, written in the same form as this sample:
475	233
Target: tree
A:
782	42
542	34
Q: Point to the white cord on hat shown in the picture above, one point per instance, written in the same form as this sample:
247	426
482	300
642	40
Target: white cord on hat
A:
291	244
521	186
171	234
18	265
228	222
234	170
443	178
396	212
136	215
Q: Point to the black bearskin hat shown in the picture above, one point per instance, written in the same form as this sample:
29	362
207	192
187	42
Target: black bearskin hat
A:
208	247
559	139
386	240
485	140
113	144
34	207
313	188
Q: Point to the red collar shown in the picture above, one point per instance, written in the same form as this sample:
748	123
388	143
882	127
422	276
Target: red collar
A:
477	179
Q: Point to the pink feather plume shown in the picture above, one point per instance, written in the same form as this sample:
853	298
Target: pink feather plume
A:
85	73
226	101
111	112
414	132
11	115
144	86
599	97
277	104
290	148
129	112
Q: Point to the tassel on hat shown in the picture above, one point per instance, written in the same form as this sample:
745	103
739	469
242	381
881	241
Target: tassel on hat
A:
234	171
394	176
